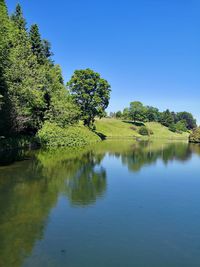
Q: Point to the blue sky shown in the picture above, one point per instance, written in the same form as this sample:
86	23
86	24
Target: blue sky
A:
149	50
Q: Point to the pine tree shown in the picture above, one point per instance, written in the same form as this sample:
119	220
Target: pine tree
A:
36	43
18	18
5	38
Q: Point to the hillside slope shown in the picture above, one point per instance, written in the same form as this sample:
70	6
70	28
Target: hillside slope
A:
114	128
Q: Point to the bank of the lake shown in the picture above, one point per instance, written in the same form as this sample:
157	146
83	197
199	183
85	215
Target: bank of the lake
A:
51	135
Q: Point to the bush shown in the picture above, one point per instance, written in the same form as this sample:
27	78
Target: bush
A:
52	135
172	127
195	136
145	131
181	126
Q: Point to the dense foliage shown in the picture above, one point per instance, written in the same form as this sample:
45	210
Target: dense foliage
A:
52	135
195	136
176	122
91	93
32	90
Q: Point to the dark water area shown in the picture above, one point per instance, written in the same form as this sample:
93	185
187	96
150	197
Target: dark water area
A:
120	203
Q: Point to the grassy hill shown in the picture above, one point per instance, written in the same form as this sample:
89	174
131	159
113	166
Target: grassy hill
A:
113	128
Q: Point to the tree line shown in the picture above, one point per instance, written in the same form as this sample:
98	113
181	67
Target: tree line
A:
32	88
176	121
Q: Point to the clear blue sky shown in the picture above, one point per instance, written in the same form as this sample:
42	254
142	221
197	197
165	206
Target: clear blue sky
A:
149	50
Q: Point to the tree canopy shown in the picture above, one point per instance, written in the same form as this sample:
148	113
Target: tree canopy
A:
91	93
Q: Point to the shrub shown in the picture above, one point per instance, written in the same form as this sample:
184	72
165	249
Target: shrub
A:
195	136
52	135
172	127
181	126
145	131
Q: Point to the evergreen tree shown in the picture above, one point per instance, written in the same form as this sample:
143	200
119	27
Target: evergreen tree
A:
25	81
18	18
36	43
46	49
5	38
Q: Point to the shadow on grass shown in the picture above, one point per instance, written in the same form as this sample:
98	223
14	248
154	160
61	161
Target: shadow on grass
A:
102	136
137	123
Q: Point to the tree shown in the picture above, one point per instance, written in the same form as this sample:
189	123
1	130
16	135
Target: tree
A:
36	43
91	93
25	80
118	114
126	114
18	18
137	111
60	106
189	119
5	40
181	126
152	114
195	136
167	118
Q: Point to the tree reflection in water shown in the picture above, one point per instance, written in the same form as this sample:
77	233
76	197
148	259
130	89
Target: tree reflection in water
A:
30	189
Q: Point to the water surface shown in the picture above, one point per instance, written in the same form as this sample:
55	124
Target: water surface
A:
114	204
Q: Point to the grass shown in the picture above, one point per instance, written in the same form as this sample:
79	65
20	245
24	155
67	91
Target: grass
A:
114	128
162	132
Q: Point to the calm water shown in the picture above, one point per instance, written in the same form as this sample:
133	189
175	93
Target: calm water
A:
115	204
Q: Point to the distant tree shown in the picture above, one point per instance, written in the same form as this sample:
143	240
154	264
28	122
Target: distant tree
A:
167	118
118	114
188	118
152	114
91	93
181	126
126	114
172	127
137	111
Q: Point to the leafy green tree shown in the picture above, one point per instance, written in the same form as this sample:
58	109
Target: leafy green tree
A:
118	114
152	114
181	126
137	111
25	81
189	119
91	93
167	118
172	127
126	114
61	108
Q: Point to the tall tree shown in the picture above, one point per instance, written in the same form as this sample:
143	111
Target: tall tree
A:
18	18
25	81
91	93
36	43
5	38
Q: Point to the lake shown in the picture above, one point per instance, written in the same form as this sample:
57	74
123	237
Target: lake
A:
119	203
